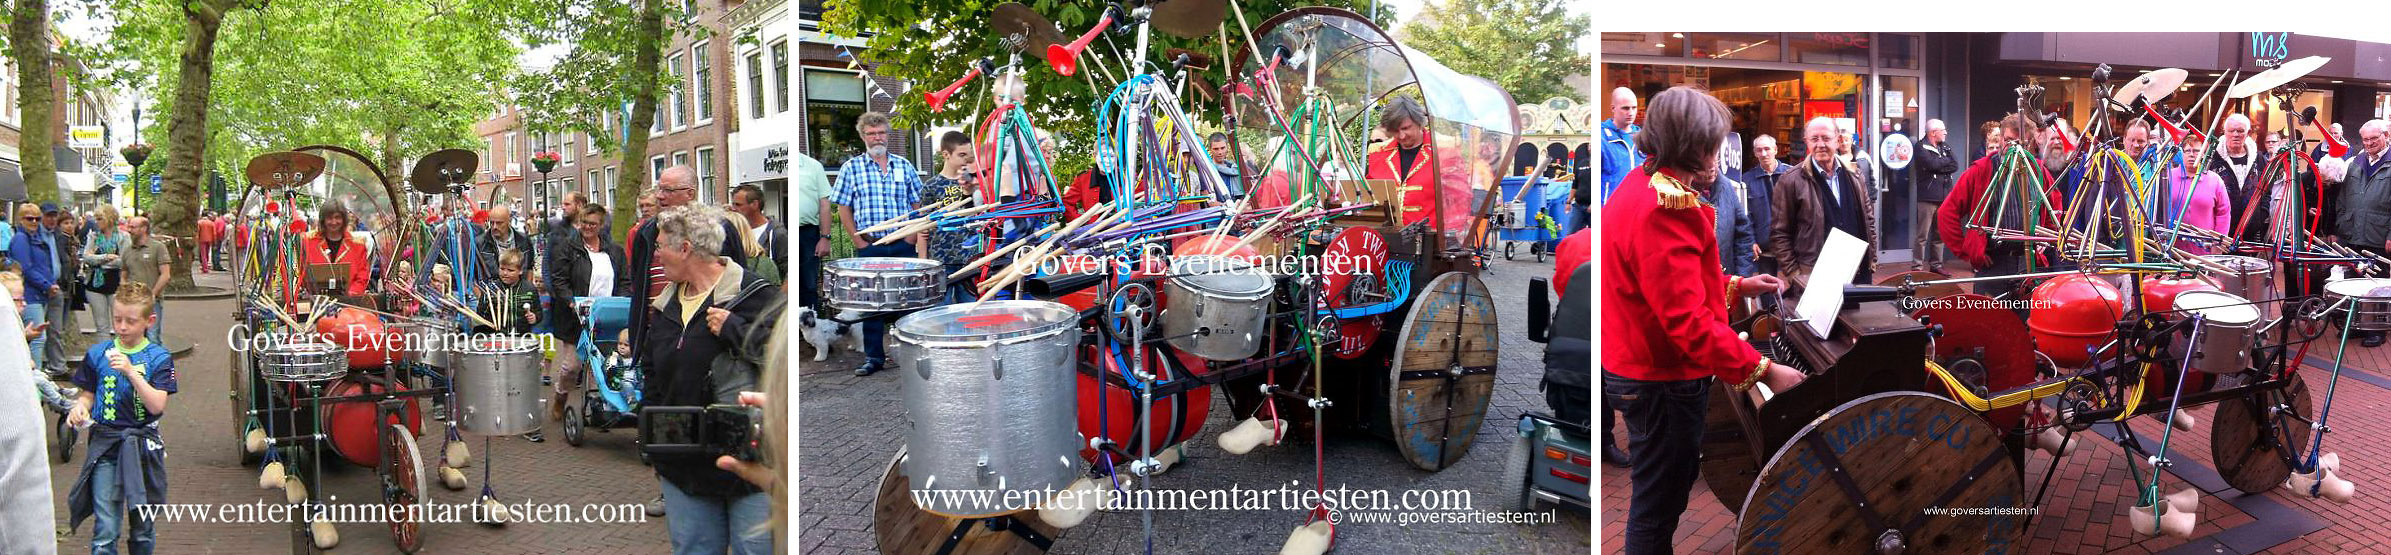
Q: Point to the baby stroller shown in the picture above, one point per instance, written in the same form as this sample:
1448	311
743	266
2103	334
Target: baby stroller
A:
609	381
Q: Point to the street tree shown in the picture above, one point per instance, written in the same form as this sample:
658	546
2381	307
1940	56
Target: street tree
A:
1525	46
29	48
615	58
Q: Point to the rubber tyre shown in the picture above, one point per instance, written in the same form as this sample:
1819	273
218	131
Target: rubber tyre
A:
573	426
1511	488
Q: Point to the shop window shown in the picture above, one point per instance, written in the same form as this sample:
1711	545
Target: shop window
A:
1848	49
1765	47
1897	51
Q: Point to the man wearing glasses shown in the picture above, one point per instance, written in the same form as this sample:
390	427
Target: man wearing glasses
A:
675	187
34	251
876	187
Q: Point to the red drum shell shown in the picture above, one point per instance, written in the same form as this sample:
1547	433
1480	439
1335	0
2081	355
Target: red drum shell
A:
2158	293
351	424
2072	314
361	333
1120	411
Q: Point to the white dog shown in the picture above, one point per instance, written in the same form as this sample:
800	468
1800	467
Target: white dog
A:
825	334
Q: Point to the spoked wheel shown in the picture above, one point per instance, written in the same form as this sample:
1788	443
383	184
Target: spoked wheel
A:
903	528
403	487
573	425
1510	248
1117	315
1861	479
1353	274
2245	440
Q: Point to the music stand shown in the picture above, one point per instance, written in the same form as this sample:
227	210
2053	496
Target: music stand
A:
327	278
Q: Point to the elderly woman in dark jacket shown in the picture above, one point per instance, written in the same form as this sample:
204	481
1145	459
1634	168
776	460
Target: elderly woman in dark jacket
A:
589	264
709	332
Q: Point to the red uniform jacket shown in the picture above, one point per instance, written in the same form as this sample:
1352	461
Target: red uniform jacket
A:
1951	219
1571	253
352	253
1419	182
1664	297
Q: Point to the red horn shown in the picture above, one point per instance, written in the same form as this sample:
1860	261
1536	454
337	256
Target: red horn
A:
1065	58
2335	146
937	100
2173	132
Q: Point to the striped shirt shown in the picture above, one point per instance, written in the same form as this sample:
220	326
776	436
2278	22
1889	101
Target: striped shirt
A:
877	194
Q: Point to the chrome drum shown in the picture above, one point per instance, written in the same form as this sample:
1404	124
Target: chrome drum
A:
496	383
303	362
2370	298
2229	330
1217	307
991	391
883	284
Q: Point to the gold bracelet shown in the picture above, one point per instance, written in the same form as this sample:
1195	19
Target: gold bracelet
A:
1754	379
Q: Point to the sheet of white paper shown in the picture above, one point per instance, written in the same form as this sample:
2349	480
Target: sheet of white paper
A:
1837	263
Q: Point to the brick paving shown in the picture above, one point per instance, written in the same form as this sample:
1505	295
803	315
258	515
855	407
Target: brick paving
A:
853	425
203	467
2085	511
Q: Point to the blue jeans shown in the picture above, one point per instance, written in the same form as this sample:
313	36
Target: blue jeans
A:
35	314
108	501
157	329
708	525
1664	447
875	329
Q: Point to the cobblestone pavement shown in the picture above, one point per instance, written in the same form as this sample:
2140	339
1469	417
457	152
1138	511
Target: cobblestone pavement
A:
2092	489
203	466
853	425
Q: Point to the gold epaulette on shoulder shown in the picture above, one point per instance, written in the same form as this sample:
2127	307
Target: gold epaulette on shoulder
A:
1381	146
1673	194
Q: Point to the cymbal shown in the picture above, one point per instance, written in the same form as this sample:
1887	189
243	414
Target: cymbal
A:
2151	86
1036	31
436	171
284	169
2281	75
1192	19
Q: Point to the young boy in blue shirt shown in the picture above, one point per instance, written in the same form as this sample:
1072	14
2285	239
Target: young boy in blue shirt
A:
125	383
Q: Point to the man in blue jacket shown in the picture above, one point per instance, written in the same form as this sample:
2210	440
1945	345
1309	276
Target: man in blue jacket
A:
1619	154
1759	182
34	251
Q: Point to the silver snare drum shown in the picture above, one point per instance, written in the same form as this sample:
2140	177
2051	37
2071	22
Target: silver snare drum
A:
882	284
2370	298
1227	300
421	340
2230	329
496	381
303	362
990	390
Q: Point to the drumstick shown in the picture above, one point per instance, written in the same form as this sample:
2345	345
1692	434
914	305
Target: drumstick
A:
1274	221
913	215
908	231
1017	245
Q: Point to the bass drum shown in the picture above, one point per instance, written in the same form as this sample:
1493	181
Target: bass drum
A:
1110	409
352	426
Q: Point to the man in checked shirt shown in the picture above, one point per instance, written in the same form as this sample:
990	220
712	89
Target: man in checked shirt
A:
876	187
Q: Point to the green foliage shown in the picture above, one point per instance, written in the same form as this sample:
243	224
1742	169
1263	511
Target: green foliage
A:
289	74
901	32
602	71
1526	46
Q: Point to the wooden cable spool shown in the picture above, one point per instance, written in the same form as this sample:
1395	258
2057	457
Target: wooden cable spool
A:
1443	371
2242	440
903	528
1861	478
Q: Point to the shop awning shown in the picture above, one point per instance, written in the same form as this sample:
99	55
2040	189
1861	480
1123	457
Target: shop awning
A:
12	184
78	182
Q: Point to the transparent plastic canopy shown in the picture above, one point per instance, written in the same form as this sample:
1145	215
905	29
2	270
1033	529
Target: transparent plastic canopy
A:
1356	67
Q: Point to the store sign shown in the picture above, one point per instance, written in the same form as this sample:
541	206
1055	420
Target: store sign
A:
2268	49
1896	151
759	164
85	136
